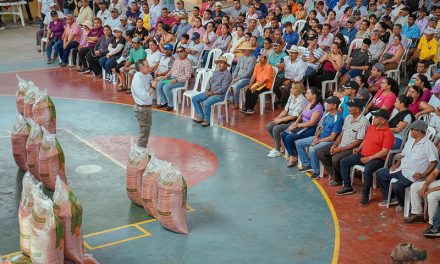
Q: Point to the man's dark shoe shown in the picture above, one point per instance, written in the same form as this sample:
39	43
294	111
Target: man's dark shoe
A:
169	108
345	191
334	183
415	218
128	91
364	200
427	229
315	176
198	120
63	64
162	106
433	232
205	124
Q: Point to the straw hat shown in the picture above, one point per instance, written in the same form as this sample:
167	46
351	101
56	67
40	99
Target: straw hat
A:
224	60
294	49
88	24
246	46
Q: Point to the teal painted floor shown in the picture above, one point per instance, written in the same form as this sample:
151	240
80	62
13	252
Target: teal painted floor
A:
251	210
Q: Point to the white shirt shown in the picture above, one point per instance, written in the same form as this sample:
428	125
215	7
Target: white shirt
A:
104	15
294	70
45	6
417	157
198	47
153	58
139	89
164	64
396	10
339	11
155	13
113	23
295	105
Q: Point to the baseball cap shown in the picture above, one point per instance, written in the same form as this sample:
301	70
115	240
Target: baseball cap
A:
351	85
406	252
168	46
356	102
419	125
333	100
381	113
195	36
117	29
53	4
433	18
135	40
218	4
379	67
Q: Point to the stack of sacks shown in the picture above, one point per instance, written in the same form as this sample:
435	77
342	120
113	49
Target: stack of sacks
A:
137	163
29	100
51	160
44	112
21	93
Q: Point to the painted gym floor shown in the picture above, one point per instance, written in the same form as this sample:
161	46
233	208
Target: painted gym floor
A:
244	207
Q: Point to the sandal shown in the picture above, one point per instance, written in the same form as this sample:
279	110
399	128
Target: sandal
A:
291	163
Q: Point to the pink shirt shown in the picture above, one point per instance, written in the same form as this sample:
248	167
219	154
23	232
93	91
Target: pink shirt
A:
388	100
74	29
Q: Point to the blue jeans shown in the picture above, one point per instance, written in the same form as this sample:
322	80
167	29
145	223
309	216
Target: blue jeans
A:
311	159
108	64
436	219
309	72
65	52
384	177
67	11
236	87
370	168
397	143
53	44
289	139
205	113
351	73
165	92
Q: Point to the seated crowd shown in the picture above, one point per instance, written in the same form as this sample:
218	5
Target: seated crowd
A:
334	68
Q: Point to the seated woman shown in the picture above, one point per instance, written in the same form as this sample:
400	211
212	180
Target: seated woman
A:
267	46
377	74
391	56
331	20
363	92
165	36
301	14
92	37
348	12
99	51
423	82
222	42
400	118
414	93
237	39
179	74
208	40
55	32
304	126
153	55
385	97
254	45
291	112
124	56
331	63
225	21
82	44
383	29
114	52
339	39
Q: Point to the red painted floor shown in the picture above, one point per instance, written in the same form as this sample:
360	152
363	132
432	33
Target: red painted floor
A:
368	234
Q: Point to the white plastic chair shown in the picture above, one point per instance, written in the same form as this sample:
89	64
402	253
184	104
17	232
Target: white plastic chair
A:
219	109
299	25
177	94
432	69
202	79
405	57
213	55
395	74
356	44
407	201
330	84
262	96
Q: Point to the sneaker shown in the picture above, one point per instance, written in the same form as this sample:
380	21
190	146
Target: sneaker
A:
49	61
414	218
244	110
162	106
384	203
394	201
128	91
334	183
205	124
364	200
63	64
305	169
399	209
250	111
433	232
170	108
198	120
274	153
85	71
427	229
345	191
315	176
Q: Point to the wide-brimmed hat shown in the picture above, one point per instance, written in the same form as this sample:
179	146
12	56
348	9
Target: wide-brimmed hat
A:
222	59
246	46
88	24
294	49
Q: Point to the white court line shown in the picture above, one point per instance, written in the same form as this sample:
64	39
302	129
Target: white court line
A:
93	147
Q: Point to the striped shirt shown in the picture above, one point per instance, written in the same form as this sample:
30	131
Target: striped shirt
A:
317	54
181	70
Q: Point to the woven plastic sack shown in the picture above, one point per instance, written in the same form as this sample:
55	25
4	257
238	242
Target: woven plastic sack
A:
47	241
44	112
150	185
172	200
19	136
51	158
33	144
69	210
25	212
137	163
21	92
29	100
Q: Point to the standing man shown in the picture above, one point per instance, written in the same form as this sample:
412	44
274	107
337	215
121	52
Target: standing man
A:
141	88
215	92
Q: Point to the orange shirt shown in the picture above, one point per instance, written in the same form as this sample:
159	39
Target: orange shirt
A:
377	139
262	73
294	8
